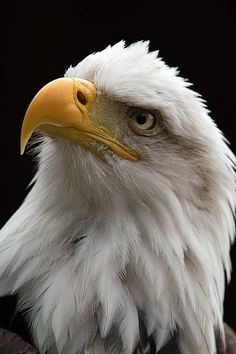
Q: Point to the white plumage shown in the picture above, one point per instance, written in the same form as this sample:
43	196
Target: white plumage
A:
100	243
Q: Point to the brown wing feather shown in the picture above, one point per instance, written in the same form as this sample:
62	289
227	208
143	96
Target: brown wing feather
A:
230	338
11	343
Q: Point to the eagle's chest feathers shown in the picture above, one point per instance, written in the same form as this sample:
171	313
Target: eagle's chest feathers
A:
108	274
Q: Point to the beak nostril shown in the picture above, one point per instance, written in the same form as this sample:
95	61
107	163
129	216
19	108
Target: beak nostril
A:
81	98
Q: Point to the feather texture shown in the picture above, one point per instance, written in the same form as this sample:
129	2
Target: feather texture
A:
97	242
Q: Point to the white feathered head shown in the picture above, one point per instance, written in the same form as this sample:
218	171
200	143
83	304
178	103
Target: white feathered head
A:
129	221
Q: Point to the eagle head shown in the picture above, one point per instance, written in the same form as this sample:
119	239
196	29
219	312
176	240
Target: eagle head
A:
129	220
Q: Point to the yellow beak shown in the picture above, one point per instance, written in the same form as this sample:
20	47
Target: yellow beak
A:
61	109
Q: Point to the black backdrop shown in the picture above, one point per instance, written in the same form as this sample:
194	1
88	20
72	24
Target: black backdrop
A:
39	40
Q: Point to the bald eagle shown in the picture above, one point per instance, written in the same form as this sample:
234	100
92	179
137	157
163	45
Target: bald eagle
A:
123	240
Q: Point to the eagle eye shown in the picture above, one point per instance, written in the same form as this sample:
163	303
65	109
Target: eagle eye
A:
143	122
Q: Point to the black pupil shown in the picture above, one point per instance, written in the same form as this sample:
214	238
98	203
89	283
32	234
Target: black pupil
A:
141	119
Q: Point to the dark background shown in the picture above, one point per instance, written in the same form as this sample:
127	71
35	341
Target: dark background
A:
39	40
